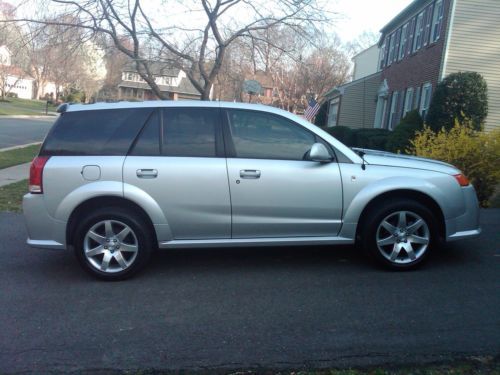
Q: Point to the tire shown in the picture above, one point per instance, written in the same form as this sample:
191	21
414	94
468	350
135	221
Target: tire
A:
113	243
399	234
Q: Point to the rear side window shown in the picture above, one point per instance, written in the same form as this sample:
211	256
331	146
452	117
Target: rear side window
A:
99	132
189	132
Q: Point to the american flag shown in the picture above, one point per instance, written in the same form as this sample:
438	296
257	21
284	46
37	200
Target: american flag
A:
311	110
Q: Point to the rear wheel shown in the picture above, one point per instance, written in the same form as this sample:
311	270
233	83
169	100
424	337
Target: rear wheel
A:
399	234
113	243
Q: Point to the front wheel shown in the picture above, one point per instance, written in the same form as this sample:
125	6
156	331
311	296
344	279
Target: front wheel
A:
400	234
112	243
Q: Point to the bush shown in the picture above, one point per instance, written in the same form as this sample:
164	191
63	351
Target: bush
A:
476	154
400	138
375	139
343	134
461	96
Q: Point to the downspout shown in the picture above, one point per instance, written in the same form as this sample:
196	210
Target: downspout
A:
444	60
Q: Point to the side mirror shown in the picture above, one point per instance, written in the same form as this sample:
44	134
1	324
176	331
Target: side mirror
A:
319	153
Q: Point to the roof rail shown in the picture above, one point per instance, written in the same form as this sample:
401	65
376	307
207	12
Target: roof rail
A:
62	108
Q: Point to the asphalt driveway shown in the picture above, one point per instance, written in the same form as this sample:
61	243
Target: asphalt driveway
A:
274	308
19	131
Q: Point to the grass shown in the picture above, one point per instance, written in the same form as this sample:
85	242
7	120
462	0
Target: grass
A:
11	196
18	156
15	106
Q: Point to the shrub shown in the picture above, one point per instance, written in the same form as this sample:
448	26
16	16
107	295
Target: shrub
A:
400	138
343	134
461	96
363	138
375	139
476	154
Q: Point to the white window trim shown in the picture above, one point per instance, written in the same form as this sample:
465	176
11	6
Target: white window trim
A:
408	104
419	31
425	101
403	41
437	20
392	113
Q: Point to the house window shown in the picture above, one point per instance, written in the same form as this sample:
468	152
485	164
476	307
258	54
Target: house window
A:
408	101
392	113
130	76
419	28
333	112
391	49
437	20
426	99
404	40
382	55
428	20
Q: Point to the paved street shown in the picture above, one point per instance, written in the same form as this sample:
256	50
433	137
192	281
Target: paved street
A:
20	131
247	308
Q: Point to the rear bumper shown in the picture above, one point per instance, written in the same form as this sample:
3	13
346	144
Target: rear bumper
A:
43	230
467	224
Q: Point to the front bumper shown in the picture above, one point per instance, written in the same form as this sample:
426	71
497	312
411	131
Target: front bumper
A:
466	225
43	230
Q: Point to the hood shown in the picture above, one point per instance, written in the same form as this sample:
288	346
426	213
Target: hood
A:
376	157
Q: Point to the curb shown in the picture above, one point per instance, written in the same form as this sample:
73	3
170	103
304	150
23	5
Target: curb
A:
19	146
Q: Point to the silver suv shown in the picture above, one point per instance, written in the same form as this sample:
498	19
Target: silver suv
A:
116	181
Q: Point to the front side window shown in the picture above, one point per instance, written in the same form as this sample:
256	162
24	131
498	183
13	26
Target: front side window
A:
428	20
333	112
189	132
417	40
259	135
437	20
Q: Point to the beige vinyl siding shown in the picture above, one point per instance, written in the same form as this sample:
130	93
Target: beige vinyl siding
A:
357	105
474	45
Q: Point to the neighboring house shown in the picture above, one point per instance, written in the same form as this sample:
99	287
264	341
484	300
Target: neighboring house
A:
171	81
268	93
13	80
425	42
365	62
353	104
430	39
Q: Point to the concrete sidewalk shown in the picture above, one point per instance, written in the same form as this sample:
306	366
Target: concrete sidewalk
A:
14	174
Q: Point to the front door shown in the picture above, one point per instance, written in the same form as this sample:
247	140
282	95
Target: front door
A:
275	190
178	161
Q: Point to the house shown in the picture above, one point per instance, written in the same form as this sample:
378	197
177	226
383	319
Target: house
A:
425	42
353	104
171	81
13	80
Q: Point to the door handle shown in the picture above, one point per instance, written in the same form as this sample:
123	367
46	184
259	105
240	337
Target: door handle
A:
147	173
249	173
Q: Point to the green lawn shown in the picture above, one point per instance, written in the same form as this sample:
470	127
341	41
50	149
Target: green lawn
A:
14	106
11	196
18	156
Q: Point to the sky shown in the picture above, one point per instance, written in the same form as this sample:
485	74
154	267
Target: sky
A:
358	16
354	16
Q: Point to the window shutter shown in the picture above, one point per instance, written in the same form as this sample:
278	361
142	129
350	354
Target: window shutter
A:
409	44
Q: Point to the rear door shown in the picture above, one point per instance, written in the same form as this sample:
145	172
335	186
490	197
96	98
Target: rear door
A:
275	190
178	159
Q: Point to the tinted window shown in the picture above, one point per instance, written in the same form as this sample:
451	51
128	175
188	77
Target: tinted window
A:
189	132
148	142
99	132
260	135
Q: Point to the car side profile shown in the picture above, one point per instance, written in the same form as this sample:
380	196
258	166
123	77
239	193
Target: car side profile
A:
116	181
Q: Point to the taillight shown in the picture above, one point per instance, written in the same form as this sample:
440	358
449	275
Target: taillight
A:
461	179
36	174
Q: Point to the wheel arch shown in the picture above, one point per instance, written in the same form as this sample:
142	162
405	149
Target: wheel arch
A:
415	195
105	201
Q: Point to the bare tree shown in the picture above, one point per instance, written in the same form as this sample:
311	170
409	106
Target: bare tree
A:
199	51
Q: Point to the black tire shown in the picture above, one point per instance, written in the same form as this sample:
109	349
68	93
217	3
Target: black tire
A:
141	237
386	212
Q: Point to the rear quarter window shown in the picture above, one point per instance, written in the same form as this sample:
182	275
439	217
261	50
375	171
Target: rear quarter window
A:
99	132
